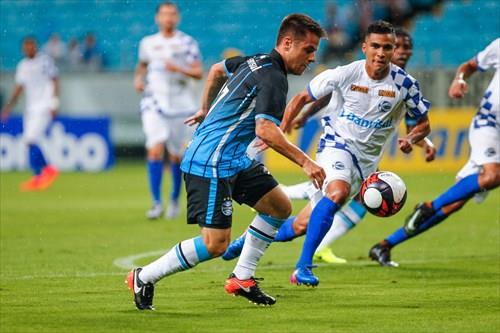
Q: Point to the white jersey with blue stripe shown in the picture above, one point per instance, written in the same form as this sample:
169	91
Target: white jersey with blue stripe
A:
256	88
369	111
488	114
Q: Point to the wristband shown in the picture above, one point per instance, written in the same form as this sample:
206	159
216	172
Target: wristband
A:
428	142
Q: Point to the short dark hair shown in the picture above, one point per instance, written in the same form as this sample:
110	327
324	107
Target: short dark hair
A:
29	38
379	27
166	3
298	25
401	32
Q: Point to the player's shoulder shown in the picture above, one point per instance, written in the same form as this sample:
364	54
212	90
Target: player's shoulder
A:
185	38
401	77
150	38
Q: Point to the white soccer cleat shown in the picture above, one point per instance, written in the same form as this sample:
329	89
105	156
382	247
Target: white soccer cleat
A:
154	212
173	210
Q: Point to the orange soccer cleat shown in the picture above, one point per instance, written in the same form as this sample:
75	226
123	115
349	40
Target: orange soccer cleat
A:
47	177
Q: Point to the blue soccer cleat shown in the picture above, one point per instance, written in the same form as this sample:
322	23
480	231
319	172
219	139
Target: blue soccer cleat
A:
304	276
234	249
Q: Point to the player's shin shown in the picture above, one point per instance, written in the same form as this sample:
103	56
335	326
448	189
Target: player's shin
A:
181	257
286	232
155	174
36	159
319	223
175	168
259	236
463	189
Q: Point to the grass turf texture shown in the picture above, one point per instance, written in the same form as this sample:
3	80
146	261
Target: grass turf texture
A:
57	273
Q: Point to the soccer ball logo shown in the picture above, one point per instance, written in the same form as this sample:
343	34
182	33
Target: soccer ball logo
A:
383	193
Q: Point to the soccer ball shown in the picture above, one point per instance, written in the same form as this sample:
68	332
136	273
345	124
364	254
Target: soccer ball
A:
383	193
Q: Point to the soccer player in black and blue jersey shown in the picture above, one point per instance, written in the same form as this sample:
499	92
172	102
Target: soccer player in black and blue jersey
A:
247	98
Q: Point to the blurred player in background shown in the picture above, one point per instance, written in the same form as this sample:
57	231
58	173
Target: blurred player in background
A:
351	214
37	76
169	59
247	97
480	174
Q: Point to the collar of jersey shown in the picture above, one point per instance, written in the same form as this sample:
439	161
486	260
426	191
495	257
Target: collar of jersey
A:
275	55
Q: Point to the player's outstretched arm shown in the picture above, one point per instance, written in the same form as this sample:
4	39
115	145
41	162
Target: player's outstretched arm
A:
458	87
293	108
272	135
426	144
313	109
7	109
418	133
215	80
140	71
195	70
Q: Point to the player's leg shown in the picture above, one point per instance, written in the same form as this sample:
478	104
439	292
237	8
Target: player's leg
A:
209	205
344	221
180	135
297	191
336	190
153	124
258	189
34	127
484	159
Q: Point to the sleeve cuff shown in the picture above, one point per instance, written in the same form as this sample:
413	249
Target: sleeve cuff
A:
310	92
268	117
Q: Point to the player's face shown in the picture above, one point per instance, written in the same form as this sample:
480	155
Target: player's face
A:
403	51
378	50
300	53
29	48
167	17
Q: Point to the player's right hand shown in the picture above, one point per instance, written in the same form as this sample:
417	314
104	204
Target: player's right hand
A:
139	85
197	118
458	88
315	173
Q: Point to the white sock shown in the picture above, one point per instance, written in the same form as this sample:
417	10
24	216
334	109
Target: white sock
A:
260	234
346	219
298	191
181	257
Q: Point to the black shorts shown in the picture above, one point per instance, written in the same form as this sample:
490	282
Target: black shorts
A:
209	200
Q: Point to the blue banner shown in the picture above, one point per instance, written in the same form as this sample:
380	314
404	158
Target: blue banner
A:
70	143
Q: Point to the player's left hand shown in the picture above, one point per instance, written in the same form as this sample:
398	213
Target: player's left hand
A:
405	145
197	118
430	153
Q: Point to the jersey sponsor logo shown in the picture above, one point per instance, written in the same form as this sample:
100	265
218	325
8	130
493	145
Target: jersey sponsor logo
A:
387	93
384	106
227	206
252	64
360	89
378	123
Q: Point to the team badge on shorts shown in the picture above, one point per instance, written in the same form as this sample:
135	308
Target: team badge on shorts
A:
490	152
338	165
227	207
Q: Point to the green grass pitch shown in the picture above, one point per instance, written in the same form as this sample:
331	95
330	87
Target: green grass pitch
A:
59	249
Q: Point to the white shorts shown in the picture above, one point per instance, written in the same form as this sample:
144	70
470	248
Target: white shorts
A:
35	125
172	131
485	149
339	164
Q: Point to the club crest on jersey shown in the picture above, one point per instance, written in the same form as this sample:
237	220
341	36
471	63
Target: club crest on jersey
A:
227	207
360	89
384	106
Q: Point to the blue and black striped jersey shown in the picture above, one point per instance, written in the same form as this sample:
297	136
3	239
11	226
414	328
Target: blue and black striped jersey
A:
256	88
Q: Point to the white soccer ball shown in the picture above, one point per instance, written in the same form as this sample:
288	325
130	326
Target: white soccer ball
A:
383	193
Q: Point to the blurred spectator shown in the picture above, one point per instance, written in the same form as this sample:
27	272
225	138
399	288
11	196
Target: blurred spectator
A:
91	55
74	55
56	49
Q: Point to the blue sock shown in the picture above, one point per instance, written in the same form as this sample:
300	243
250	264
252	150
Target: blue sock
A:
463	189
400	236
286	232
155	173
175	168
36	159
319	223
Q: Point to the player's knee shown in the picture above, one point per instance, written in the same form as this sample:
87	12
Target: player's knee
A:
338	195
283	210
490	179
217	247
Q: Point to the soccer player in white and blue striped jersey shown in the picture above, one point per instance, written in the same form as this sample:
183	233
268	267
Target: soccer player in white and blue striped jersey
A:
169	61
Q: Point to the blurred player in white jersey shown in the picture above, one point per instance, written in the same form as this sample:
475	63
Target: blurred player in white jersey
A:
168	61
480	174
37	76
